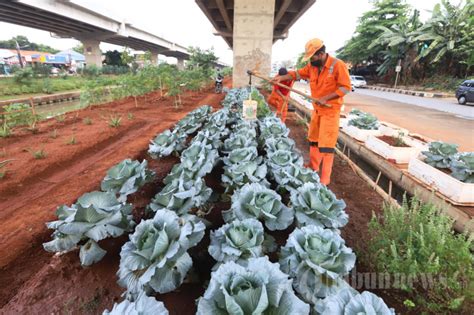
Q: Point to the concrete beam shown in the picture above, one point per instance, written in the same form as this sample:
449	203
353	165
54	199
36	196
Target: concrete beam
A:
92	52
252	38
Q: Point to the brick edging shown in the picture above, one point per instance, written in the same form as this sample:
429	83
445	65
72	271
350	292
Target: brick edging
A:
410	92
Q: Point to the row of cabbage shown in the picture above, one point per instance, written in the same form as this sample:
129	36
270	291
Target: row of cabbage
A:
261	165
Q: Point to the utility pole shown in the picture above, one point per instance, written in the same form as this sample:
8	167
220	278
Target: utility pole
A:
397	70
18	52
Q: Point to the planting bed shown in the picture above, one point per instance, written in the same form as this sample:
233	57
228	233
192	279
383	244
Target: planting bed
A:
39	282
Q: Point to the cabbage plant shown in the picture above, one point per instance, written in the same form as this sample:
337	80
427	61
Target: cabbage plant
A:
270	129
365	121
166	143
440	154
258	288
317	205
156	256
256	201
193	120
349	301
281	143
181	195
237	175
127	177
281	159
294	176
142	305
94	217
238	141
239	241
463	167
199	158
241	155
318	259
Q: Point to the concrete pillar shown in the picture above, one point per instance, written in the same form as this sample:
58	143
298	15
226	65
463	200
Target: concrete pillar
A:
180	64
252	39
154	58
92	52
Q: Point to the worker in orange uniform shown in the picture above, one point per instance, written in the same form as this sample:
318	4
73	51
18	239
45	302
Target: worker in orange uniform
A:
279	96
329	82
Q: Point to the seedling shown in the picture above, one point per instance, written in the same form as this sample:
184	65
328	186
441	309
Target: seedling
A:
72	140
5	131
3	169
33	127
115	121
87	121
399	142
40	154
54	134
60	118
130	116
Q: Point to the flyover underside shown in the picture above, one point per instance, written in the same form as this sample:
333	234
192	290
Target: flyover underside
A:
65	26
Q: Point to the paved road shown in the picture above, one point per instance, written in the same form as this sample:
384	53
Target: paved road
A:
420	115
448	105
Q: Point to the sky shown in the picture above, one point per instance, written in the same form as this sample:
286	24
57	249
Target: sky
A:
181	21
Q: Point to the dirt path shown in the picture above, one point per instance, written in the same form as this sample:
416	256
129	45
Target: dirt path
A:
34	188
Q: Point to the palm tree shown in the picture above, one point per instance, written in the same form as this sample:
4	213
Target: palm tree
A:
446	30
400	46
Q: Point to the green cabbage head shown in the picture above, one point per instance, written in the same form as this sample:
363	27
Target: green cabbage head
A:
156	258
316	204
349	301
463	167
167	142
127	177
142	305
440	154
294	176
239	241
258	288
318	259
258	202
94	217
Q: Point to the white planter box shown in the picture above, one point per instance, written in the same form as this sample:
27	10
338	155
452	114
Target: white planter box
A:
390	129
445	184
398	155
359	134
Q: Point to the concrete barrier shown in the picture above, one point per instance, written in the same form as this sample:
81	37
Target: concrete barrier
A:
410	92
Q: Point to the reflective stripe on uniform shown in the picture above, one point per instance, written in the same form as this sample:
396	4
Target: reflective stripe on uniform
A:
331	68
343	90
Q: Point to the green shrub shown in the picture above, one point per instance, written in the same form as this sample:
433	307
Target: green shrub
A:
91	71
24	76
417	240
18	114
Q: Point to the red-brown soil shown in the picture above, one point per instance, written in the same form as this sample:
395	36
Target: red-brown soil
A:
392	141
33	281
36	282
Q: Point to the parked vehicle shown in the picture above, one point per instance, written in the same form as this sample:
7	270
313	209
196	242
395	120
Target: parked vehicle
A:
358	81
465	92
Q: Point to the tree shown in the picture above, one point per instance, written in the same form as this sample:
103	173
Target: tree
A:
449	35
299	61
24	42
79	48
114	58
399	45
204	59
385	13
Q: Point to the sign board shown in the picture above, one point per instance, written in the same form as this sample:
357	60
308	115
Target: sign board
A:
398	68
249	110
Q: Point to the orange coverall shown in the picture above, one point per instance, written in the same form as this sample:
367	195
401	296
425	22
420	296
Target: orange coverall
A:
324	127
278	101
